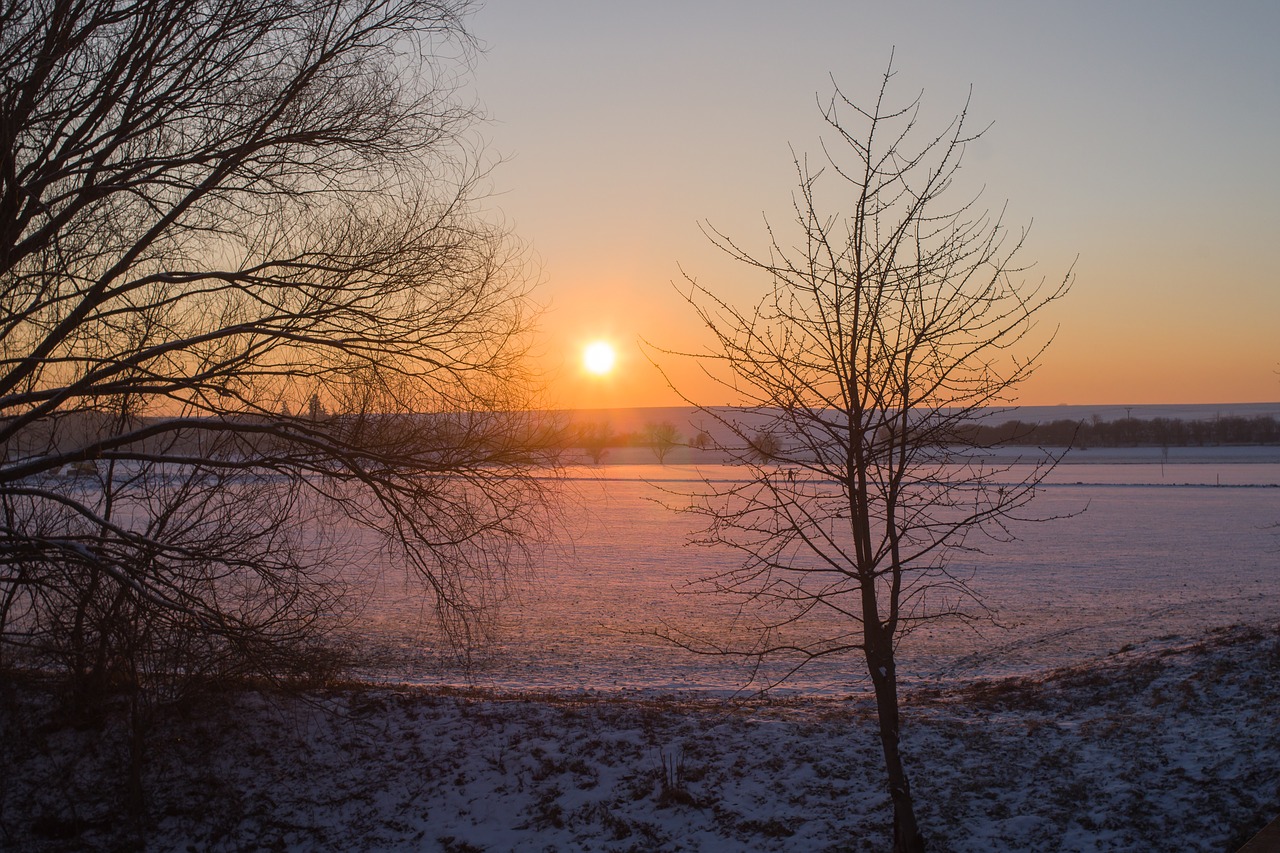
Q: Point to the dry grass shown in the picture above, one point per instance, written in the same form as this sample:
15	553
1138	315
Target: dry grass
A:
1170	747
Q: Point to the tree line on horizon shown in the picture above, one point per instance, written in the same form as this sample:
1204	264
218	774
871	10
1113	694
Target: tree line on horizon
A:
1128	432
597	438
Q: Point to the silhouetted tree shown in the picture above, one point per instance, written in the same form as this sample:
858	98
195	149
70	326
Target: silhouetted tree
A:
213	214
661	438
595	439
763	447
887	328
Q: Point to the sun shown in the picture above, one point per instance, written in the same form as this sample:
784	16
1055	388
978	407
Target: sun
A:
598	358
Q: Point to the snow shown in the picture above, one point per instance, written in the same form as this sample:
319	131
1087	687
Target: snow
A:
1173	746
1131	701
1122	562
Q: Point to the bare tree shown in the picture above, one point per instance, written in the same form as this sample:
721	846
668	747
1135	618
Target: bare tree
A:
595	439
661	438
763	446
213	214
887	327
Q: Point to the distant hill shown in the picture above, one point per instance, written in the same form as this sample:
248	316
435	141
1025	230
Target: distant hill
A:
625	420
626	431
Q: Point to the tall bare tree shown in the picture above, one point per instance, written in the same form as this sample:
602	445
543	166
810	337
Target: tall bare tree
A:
249	314
893	318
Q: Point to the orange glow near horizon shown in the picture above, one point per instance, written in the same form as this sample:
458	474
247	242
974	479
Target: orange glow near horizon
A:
1098	356
1076	370
1092	362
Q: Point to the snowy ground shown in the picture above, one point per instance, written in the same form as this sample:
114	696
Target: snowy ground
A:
1123	562
1174	745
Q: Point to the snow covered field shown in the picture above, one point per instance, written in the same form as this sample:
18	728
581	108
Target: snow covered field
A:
1149	549
1130	702
1172	747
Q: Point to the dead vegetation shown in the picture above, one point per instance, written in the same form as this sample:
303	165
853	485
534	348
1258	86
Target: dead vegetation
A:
1171	747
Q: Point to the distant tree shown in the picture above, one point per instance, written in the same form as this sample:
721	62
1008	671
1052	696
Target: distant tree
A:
315	409
661	438
595	439
207	210
887	328
763	447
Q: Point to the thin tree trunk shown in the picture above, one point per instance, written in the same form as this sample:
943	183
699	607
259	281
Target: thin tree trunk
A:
884	678
135	790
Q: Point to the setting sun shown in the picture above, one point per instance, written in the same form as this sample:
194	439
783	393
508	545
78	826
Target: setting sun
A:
598	358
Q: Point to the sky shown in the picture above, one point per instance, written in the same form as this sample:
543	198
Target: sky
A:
1138	139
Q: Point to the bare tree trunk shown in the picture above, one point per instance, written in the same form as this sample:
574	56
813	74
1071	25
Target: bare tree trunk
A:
907	837
135	788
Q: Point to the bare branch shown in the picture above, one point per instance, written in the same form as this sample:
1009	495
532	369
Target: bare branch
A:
253	332
886	329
